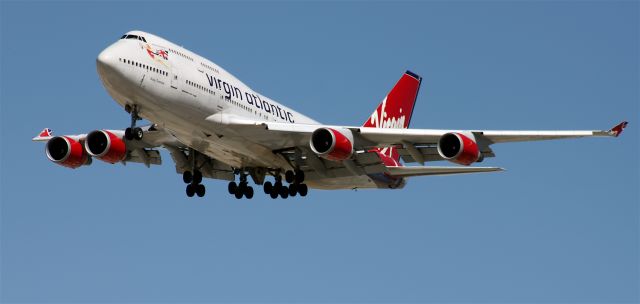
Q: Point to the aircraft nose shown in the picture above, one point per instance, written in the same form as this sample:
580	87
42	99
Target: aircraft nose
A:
105	59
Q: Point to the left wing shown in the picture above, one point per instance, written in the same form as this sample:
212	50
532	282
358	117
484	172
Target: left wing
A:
414	145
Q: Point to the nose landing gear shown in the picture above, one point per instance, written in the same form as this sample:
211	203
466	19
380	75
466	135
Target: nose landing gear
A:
133	132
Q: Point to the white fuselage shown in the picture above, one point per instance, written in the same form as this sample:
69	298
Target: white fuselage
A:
179	90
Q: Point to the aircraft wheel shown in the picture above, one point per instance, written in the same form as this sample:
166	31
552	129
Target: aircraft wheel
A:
232	187
273	194
289	176
190	190
293	190
277	187
197	177
284	192
187	177
137	133
303	189
267	187
128	135
200	190
299	176
238	193
248	192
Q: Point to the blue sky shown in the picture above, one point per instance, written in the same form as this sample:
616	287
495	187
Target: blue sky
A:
561	225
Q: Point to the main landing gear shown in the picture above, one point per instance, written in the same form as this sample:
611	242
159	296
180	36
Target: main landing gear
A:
193	181
296	186
193	178
241	189
133	132
295	180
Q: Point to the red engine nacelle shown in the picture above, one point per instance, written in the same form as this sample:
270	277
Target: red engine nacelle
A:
66	152
459	148
332	144
105	146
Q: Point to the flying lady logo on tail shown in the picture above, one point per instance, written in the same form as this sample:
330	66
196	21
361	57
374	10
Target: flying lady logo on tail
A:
394	112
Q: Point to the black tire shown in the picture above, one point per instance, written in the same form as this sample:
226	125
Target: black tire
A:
137	133
232	187
200	190
299	176
267	187
190	190
238	193
187	177
273	194
284	192
128	135
248	192
197	177
289	176
303	189
293	190
277	187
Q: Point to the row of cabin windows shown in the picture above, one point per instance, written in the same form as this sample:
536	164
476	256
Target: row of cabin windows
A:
133	37
180	54
144	66
246	108
229	100
209	67
200	87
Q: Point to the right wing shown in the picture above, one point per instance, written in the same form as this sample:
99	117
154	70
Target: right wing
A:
144	151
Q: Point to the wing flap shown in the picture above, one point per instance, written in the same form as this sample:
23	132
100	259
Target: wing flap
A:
424	170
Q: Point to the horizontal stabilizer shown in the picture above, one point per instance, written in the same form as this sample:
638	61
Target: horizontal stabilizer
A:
428	170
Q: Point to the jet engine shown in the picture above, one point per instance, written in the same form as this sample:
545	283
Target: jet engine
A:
66	152
459	148
105	146
331	144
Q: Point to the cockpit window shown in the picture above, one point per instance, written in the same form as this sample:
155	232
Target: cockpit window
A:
133	37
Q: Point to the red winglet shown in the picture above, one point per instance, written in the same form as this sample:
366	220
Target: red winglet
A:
617	130
45	133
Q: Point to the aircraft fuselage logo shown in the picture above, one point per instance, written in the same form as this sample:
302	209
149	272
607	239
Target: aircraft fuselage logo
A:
157	53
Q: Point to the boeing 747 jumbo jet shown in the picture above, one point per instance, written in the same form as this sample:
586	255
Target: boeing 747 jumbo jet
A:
215	126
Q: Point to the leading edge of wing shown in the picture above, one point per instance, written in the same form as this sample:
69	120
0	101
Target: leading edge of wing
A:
428	170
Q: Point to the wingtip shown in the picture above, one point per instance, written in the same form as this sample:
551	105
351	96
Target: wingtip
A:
617	129
45	134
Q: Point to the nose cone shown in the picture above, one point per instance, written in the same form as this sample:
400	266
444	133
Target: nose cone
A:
107	65
105	60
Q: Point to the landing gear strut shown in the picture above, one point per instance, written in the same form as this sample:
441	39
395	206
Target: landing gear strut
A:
133	132
295	180
241	189
193	179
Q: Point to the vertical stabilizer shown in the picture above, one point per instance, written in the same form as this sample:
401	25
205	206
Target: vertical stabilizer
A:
395	111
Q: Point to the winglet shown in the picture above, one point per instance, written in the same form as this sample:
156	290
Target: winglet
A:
44	135
617	130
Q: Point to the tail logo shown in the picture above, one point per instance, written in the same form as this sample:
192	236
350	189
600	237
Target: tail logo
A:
380	118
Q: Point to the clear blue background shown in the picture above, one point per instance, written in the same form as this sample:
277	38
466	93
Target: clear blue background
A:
561	225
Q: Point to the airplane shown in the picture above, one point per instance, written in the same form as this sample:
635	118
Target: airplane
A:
214	126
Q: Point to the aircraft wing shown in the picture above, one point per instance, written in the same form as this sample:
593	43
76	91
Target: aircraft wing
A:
146	151
423	170
413	145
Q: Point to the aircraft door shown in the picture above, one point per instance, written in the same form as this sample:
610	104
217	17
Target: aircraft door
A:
174	78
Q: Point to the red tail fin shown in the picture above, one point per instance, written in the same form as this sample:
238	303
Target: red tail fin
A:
395	111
